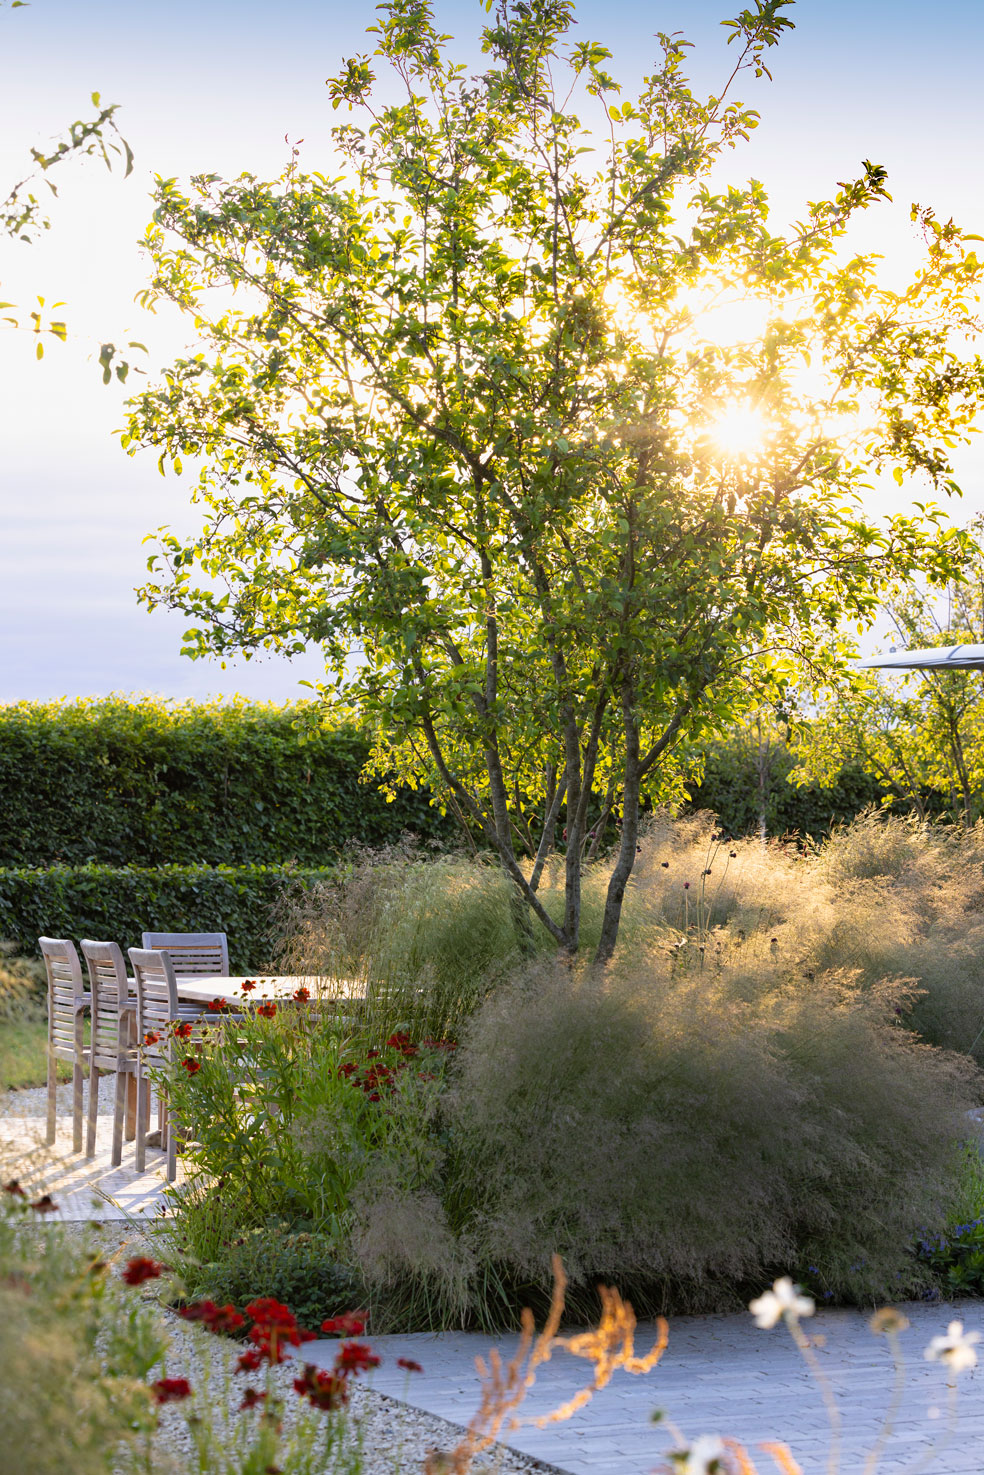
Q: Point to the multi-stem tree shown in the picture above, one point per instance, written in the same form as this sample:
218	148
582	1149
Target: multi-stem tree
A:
465	418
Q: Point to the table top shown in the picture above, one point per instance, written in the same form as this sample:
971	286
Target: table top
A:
203	988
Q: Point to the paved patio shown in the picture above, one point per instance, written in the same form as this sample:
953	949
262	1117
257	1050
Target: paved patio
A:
719	1375
82	1188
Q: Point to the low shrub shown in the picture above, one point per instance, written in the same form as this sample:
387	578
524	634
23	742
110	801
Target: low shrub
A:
299	1269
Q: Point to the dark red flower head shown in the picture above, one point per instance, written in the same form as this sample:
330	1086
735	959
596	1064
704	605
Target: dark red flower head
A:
355	1357
401	1041
45	1205
151	1037
170	1390
349	1324
324	1390
182	1030
14	1188
409	1364
267	1009
141	1268
218	1006
249	1361
274	1326
248	985
252	1397
216	1318
302	994
191	1065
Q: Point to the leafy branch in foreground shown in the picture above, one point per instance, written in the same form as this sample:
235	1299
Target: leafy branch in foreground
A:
24	217
470	418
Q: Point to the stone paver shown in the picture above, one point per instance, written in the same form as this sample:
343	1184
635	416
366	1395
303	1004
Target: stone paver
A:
719	1375
82	1188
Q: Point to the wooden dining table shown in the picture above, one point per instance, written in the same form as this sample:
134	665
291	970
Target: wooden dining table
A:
206	987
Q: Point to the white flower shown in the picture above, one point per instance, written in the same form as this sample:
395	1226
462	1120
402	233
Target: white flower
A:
783	1300
956	1349
704	1455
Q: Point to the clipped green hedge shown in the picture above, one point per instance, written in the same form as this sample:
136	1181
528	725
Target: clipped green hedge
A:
117	903
143	783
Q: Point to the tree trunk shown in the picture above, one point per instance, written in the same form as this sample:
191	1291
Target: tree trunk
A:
630	833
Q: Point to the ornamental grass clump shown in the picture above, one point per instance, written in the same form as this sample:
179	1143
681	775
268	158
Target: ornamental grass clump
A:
682	1135
425	937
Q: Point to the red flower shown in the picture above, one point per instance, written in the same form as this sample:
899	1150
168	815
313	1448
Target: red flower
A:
355	1357
273	1326
191	1065
151	1037
218	1006
170	1390
251	1397
266	1010
409	1364
182	1030
45	1205
349	1324
216	1318
302	994
324	1390
248	985
401	1041
141	1268
347	1069
249	1361
14	1187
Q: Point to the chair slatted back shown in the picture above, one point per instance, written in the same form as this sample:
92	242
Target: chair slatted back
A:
110	988
66	993
157	999
192	953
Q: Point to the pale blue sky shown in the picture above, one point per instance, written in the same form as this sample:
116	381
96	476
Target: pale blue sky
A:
211	86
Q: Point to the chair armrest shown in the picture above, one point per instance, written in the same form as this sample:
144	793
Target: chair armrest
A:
84	1001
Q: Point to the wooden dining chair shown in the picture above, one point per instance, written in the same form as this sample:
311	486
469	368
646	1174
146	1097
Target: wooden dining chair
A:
113	1037
192	953
157	1013
67	1003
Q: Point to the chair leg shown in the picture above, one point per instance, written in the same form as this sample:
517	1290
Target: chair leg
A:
131	1105
143	1092
118	1108
49	1135
77	1112
172	1144
90	1136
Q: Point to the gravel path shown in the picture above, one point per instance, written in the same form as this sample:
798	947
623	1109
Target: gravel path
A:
395	1438
33	1101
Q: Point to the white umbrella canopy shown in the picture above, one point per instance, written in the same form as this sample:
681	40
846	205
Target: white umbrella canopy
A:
933	658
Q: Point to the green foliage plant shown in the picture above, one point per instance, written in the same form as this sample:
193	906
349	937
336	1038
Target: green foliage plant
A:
75	1348
284	1109
297	1267
464	413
